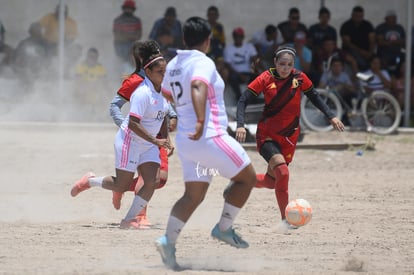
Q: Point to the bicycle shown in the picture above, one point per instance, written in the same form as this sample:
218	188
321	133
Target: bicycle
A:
377	112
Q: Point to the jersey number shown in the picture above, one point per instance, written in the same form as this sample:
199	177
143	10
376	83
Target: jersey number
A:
174	87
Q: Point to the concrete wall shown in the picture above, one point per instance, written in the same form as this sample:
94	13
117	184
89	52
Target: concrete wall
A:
95	17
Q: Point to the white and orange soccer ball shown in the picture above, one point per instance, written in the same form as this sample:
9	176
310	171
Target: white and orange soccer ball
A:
298	212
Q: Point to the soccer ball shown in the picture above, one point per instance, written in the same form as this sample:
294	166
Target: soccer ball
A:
298	212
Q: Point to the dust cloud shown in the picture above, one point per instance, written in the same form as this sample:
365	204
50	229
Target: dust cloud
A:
30	82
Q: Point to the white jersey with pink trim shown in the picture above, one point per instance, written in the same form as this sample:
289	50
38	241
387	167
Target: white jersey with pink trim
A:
150	107
186	66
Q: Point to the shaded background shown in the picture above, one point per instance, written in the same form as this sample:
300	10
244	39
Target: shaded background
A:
94	17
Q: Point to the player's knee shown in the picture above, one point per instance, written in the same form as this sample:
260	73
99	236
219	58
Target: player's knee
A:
282	177
276	160
247	176
282	171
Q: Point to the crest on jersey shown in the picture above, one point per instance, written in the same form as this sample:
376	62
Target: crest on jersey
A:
295	83
160	115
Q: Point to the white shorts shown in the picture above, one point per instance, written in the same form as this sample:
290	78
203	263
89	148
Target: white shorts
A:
129	154
205	158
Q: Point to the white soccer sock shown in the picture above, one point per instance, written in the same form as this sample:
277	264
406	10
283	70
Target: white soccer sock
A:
137	205
227	216
95	181
174	228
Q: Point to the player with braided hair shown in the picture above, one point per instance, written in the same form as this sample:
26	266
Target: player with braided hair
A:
136	143
123	96
278	129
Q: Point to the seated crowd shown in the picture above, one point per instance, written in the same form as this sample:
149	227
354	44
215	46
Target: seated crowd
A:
378	50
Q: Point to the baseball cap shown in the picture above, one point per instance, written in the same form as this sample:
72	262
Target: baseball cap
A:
238	31
390	13
129	4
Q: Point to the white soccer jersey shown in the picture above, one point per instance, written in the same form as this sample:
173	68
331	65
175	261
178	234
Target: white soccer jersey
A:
186	66
240	57
150	107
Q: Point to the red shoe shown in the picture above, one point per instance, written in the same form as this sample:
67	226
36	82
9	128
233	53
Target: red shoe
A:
142	220
116	199
265	181
82	184
263	184
129	224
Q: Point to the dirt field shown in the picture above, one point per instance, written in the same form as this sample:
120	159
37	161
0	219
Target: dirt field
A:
363	210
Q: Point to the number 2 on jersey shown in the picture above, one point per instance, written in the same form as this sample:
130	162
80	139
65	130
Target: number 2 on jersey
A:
174	87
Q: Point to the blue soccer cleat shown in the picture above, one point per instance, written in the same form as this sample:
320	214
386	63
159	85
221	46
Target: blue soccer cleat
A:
167	252
229	236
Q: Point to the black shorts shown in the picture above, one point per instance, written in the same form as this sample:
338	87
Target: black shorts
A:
269	149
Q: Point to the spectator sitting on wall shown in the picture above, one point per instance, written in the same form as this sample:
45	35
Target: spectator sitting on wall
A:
239	57
218	39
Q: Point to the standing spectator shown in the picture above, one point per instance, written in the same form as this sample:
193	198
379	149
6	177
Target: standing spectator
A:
319	31
303	57
168	33
390	40
239	57
291	26
381	78
218	39
50	30
266	42
126	29
30	56
358	37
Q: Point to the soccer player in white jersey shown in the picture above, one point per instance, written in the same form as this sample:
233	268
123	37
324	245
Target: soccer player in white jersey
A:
136	143
203	144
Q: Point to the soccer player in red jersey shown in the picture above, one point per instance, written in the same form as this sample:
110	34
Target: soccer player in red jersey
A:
278	129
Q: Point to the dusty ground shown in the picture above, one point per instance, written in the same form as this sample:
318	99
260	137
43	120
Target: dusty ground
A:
363	210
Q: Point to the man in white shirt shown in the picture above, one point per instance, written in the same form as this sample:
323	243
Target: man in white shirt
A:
239	57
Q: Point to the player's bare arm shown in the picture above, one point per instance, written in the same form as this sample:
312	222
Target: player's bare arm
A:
199	98
136	126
